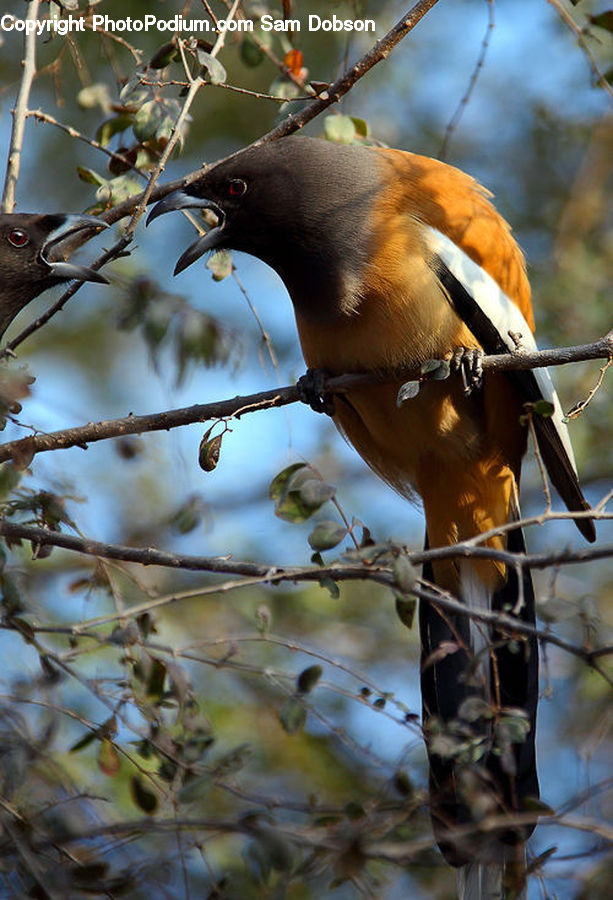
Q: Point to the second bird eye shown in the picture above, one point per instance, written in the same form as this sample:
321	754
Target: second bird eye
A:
237	187
18	238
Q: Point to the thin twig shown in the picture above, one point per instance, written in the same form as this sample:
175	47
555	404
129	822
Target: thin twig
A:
47	119
579	34
20	111
256	573
539	461
135	205
26	448
579	408
265	336
459	112
342	85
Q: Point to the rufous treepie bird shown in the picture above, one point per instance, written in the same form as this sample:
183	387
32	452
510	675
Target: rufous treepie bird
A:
32	258
393	259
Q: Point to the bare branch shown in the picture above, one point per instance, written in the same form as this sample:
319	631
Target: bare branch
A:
455	119
580	36
342	85
20	112
26	448
257	573
72	132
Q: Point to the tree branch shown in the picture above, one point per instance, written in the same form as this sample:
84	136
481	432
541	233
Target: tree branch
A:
134	206
20	112
381	573
342	85
24	449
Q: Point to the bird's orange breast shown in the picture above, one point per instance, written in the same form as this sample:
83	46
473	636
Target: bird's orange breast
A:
472	444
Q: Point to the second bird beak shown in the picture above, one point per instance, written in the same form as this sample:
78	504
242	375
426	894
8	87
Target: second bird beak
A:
53	254
209	241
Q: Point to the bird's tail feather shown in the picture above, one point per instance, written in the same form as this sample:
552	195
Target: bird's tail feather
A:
479	694
486	880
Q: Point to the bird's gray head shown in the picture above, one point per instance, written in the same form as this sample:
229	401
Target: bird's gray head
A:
33	248
299	204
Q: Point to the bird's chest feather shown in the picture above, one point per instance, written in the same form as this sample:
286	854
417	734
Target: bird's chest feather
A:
402	320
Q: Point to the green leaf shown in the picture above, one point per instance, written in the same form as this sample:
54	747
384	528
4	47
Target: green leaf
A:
292	509
298	493
326	535
133	93
111	127
250	53
284	88
217	73
513	726
118	189
339	129
534	804
188	516
10	476
279	483
407	391
361	126
543	408
292	715
220	265
331	586
148	119
308	678
442	370
142	796
90	177
438	369
403	783
263	619
405	573
157	677
405	610
314	492
163	56
234	761
472	709
83	742
95	95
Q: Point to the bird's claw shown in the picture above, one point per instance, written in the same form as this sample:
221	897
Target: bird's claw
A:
313	390
469	363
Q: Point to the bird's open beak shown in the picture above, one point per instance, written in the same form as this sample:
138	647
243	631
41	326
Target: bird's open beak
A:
209	241
53	254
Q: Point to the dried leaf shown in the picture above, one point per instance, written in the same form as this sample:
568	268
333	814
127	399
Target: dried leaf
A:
208	453
109	760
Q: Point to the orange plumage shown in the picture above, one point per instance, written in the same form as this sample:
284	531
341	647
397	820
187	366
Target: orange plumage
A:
405	319
392	259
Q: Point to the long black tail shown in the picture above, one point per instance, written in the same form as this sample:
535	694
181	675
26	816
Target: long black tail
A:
479	696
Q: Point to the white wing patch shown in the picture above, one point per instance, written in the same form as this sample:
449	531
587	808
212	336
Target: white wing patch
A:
502	313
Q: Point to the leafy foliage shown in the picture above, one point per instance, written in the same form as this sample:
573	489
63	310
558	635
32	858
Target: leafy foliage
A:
164	733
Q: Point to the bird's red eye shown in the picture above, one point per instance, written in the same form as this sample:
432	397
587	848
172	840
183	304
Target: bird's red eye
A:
18	238
237	187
